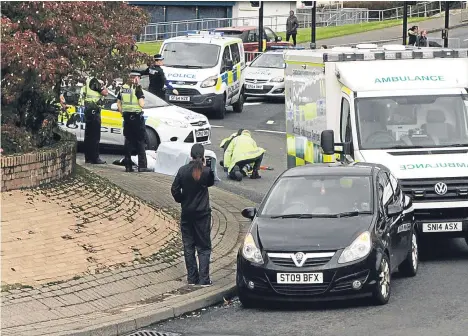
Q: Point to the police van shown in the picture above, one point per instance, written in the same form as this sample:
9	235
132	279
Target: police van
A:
403	107
164	122
207	70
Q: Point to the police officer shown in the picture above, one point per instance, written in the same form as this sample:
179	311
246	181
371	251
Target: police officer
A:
157	79
130	101
91	94
242	151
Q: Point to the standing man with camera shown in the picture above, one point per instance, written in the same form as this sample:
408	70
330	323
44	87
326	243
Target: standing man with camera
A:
91	95
131	101
157	78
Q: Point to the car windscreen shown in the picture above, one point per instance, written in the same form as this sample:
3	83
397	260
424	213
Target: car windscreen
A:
191	55
318	195
412	121
274	61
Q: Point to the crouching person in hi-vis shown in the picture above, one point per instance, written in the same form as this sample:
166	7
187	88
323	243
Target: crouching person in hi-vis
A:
131	102
241	151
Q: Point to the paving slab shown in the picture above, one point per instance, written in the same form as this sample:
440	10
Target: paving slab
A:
107	255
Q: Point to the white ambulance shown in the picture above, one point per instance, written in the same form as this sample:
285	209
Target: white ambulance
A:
207	70
405	108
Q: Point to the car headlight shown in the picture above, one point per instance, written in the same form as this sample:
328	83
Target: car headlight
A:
174	123
209	82
277	79
250	251
360	248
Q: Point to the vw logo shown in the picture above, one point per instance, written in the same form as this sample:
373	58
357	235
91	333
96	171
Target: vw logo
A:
440	188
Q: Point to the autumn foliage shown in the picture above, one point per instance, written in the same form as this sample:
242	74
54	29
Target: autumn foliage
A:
44	42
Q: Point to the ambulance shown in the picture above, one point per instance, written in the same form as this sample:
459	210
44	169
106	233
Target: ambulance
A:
403	107
207	70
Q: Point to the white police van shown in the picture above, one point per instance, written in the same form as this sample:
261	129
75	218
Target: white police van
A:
207	70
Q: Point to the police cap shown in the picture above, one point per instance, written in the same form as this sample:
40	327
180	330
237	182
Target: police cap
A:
134	73
158	57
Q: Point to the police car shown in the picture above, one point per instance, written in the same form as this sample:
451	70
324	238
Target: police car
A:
264	76
164	121
207	69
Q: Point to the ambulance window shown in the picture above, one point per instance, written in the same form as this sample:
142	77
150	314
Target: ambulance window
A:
345	120
235	53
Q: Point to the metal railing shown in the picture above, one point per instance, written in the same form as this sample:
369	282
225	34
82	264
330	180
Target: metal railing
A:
464	11
324	17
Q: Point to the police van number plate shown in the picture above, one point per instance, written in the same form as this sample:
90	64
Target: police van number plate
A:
254	86
179	98
299	278
442	227
203	133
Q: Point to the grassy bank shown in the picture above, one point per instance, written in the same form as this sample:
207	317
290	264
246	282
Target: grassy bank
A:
303	35
323	33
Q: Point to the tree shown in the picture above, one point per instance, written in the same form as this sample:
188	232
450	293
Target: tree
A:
46	42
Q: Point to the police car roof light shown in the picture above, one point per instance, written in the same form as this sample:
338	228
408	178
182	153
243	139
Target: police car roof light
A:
286	47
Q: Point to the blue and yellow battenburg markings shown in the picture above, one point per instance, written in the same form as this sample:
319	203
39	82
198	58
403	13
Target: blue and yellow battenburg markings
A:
229	77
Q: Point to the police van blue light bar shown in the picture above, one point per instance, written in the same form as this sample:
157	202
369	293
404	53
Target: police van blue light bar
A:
204	33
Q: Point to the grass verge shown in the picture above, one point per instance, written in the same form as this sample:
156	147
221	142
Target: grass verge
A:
303	35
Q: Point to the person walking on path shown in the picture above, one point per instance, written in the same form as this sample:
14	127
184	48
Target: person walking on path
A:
190	189
291	27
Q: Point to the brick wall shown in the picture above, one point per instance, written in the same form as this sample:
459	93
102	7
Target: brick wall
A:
37	168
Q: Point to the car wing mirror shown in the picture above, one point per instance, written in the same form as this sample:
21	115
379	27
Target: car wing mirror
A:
249	213
114	107
394	210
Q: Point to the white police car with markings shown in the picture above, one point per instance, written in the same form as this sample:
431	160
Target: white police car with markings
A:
164	122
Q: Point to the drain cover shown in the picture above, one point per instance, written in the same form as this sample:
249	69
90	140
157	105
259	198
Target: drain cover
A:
147	332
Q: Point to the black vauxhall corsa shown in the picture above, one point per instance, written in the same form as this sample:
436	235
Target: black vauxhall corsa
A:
327	231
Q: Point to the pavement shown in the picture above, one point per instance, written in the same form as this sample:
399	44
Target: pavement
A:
102	255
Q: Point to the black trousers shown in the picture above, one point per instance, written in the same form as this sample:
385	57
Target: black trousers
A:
161	93
92	134
257	162
293	35
135	135
196	234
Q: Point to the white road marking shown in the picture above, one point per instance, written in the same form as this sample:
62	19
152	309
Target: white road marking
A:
267	131
253	103
269	122
216	126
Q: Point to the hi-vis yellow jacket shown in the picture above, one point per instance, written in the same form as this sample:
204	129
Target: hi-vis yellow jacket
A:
241	148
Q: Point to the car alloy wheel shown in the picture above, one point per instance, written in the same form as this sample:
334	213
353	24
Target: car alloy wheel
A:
384	279
409	267
381	292
414	251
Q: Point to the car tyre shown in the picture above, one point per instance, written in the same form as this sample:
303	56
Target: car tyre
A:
152	139
409	267
238	106
382	290
220	111
246	302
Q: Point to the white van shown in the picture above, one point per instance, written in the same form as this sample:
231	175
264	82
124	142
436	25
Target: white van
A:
405	108
207	71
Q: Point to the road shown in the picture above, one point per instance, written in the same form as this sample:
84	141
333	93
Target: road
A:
433	303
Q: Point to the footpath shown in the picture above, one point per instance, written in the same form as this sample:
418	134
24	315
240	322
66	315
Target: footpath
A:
392	33
101	254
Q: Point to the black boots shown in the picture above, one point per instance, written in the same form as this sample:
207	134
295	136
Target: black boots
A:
255	175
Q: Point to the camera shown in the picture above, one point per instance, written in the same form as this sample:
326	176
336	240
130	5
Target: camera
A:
208	161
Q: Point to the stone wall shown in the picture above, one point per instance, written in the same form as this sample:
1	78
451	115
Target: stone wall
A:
41	167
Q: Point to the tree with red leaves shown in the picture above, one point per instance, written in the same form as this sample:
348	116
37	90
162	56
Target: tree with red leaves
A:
43	43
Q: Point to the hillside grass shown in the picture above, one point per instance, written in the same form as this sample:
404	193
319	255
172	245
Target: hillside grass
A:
303	34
